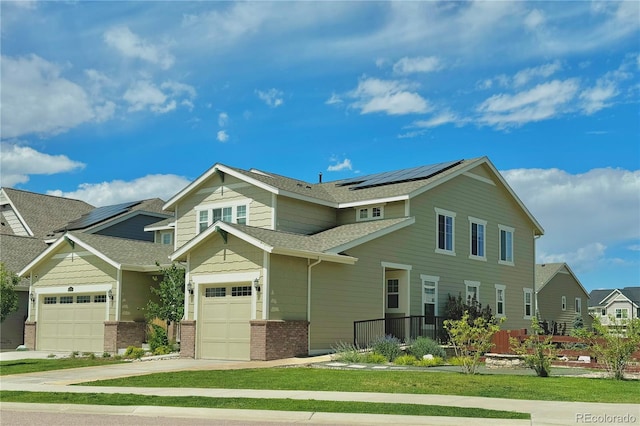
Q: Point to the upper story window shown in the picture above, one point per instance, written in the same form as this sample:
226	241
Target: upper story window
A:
472	291
369	213
506	245
166	238
622	313
445	232
476	237
208	215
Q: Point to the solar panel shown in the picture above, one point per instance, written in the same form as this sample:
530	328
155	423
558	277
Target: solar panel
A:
99	214
397	176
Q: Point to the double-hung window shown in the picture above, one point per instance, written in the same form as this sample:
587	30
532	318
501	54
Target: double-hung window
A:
393	293
445	232
203	220
500	300
476	237
622	313
578	305
429	298
564	303
472	291
528	302
208	215
506	245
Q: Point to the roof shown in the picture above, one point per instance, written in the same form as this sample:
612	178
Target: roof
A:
44	213
16	251
343	193
545	272
600	295
597	296
164	224
327	245
121	253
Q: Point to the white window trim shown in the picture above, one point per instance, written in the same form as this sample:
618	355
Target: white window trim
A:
513	237
451	214
564	303
431	279
397	293
577	304
621	310
468	283
369	211
504	300
524	303
162	235
472	221
221	205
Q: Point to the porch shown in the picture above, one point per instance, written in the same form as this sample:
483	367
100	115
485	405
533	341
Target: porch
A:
403	328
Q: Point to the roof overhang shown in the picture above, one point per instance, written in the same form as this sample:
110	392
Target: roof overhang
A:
372	236
17	213
616	293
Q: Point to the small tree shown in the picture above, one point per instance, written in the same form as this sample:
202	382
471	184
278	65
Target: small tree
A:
536	351
471	339
613	345
578	322
8	295
170	292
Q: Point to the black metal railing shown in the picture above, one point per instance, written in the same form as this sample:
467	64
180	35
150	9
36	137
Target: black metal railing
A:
403	328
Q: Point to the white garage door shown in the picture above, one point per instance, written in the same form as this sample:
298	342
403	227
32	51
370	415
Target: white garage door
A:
71	323
224	330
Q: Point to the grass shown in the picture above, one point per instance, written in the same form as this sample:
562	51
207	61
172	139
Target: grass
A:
494	386
256	404
36	365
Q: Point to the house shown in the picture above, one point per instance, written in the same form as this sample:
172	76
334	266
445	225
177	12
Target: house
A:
278	267
560	297
615	305
88	292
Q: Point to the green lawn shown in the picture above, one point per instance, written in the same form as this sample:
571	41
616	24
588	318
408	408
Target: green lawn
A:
494	386
34	365
256	404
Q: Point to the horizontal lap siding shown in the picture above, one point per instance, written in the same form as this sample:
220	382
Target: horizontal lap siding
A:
84	269
391	210
302	217
136	293
550	300
214	256
288	288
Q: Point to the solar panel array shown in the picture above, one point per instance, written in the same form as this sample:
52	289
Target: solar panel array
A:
397	176
99	214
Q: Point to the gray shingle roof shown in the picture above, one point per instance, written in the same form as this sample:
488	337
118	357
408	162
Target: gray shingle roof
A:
16	252
631	293
546	271
127	252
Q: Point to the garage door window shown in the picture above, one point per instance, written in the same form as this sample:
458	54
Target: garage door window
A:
83	299
100	298
241	291
50	300
215	292
66	299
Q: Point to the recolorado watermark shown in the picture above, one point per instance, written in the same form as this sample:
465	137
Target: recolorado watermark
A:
606	419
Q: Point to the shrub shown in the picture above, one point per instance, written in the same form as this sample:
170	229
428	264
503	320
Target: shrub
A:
536	351
162	350
424	346
471	339
158	337
405	360
457	361
389	346
373	358
133	352
429	362
74	354
106	355
347	352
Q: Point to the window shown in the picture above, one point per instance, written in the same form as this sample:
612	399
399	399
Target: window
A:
203	220
241	215
83	299
100	298
50	300
477	232
500	300
363	214
622	313
578	306
472	291
369	213
564	303
232	214
429	298
445	225
393	293
215	292
166	238
603	312
66	299
528	302
376	212
506	245
241	291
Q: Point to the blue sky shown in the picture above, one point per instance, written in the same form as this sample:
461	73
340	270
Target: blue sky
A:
115	101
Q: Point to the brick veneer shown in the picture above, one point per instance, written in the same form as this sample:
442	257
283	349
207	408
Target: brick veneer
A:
120	335
278	339
188	339
30	334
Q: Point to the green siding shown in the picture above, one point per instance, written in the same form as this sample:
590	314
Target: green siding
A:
303	217
288	288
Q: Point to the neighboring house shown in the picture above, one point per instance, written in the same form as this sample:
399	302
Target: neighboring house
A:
163	231
277	267
616	305
560	297
88	293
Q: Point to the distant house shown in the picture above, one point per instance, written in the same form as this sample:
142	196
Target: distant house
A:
560	297
615	305
278	267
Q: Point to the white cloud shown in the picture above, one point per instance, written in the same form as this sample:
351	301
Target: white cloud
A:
18	162
444	117
534	19
177	89
223	119
599	96
421	64
523	77
271	97
119	191
144	94
582	214
222	136
132	46
37	99
334	99
344	165
388	96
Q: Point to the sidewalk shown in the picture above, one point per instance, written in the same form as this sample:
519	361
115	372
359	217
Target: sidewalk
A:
543	413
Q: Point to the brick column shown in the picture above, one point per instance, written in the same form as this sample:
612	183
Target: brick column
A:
278	339
188	339
111	337
30	334
121	335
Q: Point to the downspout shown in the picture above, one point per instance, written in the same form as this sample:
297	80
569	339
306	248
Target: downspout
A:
309	266
118	293
535	290
29	312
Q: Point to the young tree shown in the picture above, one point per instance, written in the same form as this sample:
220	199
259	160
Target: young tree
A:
613	345
471	339
536	351
170	292
8	295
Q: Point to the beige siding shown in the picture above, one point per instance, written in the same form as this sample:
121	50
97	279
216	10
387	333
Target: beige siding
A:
288	288
391	210
12	220
136	293
302	217
214	256
77	267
